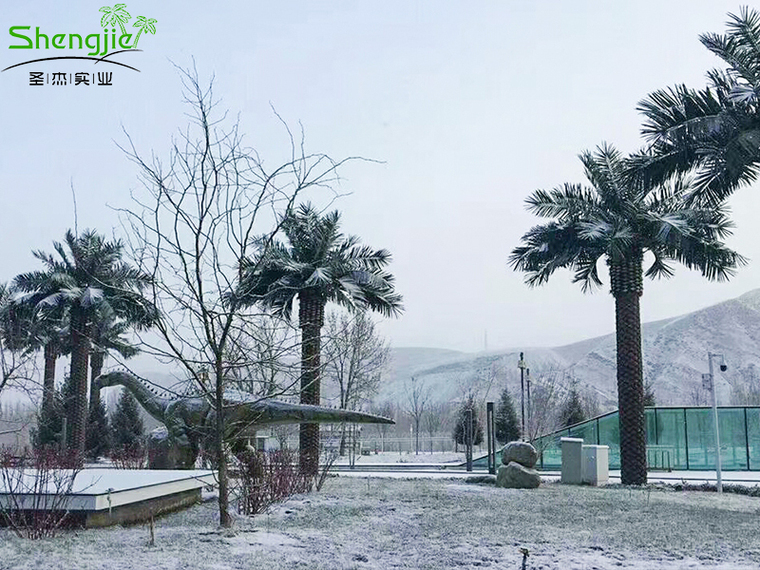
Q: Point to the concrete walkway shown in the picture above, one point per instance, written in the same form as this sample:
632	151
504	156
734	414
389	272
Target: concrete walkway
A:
747	478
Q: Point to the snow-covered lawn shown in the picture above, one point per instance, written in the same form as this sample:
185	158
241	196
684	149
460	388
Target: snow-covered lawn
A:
377	524
396	457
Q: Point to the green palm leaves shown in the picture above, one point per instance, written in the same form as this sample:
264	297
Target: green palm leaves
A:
146	25
616	219
715	131
115	16
317	258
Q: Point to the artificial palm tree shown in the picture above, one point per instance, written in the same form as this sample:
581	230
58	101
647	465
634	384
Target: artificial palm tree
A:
88	280
116	15
620	221
714	131
147	25
317	264
37	333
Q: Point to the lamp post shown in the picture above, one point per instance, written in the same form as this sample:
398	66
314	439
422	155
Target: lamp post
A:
708	380
522	365
530	414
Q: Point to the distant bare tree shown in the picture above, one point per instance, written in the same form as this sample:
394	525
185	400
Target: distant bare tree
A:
263	357
386	410
697	394
354	359
745	389
547	393
417	400
435	419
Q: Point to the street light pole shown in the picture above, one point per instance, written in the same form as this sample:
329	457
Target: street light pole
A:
530	415
710	356
522	366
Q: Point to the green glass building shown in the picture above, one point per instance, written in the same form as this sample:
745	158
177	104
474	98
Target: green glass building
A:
679	438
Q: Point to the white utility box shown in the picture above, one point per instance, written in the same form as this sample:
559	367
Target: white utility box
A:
596	464
572	460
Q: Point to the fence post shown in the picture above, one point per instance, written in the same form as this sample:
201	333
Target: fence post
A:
468	438
491	438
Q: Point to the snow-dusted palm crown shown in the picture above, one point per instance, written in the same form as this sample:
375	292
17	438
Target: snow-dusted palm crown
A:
619	221
317	264
714	131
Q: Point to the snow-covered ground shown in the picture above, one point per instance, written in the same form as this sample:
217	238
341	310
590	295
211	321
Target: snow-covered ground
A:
370	523
405	457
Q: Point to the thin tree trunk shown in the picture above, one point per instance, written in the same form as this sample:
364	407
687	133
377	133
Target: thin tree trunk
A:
627	287
225	520
80	354
311	317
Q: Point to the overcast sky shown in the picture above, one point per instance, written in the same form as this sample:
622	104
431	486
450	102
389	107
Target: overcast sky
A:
469	106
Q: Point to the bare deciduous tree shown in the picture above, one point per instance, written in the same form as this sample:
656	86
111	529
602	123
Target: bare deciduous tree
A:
204	210
263	358
417	400
435	419
386	410
354	359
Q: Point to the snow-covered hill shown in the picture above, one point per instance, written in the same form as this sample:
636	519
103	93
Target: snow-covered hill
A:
675	356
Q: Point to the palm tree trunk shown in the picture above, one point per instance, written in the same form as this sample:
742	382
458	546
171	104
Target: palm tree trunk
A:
627	287
48	380
80	355
311	317
96	367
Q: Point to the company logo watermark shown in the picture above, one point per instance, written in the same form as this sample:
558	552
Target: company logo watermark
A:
101	48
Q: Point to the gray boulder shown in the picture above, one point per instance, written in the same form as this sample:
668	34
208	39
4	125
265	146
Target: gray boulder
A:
515	476
163	453
521	452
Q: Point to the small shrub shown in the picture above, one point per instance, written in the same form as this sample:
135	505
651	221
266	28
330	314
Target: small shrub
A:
37	485
267	477
130	456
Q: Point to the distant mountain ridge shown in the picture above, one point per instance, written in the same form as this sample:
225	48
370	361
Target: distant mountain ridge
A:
675	356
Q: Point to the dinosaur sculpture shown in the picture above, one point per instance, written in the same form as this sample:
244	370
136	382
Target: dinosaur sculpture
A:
189	420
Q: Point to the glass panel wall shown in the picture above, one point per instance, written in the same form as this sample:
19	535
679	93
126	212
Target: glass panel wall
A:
669	446
733	442
677	438
609	434
753	437
701	437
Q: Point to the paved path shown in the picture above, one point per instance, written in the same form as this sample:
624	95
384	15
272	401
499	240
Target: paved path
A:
436	471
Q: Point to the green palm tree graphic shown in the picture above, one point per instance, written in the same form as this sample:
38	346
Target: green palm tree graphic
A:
145	25
115	15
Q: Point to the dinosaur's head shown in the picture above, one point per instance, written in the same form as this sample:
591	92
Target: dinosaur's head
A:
107	379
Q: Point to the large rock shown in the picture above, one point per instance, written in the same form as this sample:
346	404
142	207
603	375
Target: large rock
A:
521	452
163	453
515	476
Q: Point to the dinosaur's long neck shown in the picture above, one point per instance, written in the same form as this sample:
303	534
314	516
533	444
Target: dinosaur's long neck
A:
154	404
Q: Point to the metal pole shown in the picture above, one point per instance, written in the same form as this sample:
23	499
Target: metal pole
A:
468	438
715	420
491	438
530	415
521	366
